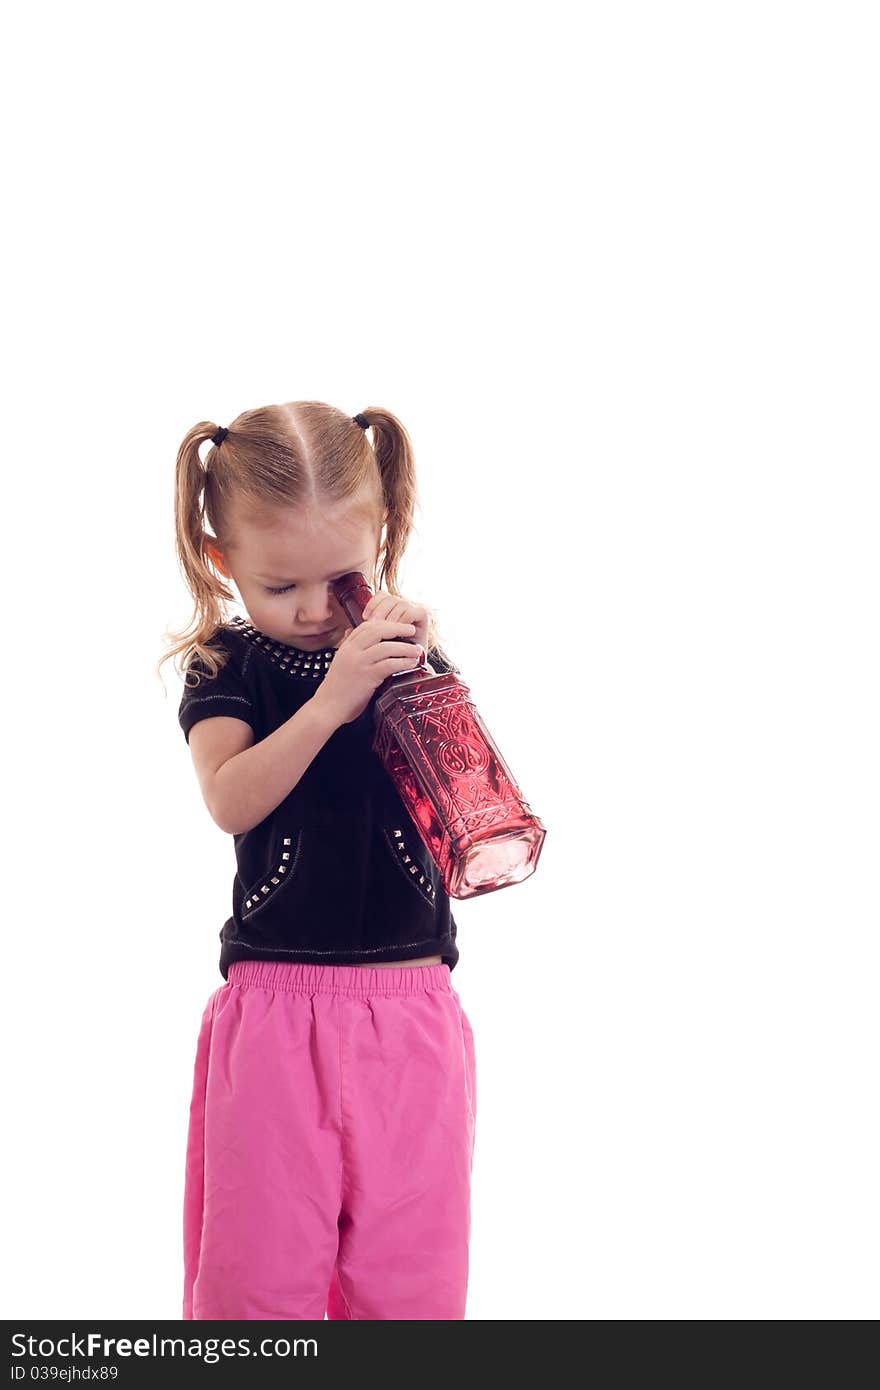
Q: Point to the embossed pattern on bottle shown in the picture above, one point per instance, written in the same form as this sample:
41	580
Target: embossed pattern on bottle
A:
449	773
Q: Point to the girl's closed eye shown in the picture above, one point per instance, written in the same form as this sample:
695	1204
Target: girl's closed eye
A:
287	587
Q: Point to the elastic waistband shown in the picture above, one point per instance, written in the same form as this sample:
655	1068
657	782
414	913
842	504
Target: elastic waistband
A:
299	977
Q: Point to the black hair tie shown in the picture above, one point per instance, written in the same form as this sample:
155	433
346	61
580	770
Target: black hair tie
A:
362	421
219	437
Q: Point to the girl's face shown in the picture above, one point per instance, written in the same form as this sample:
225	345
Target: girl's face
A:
283	571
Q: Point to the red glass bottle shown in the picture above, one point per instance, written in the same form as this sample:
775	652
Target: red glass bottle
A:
453	781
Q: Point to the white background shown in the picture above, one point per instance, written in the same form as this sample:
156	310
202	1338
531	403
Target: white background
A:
615	267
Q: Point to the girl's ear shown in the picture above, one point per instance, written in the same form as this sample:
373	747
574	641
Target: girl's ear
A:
216	555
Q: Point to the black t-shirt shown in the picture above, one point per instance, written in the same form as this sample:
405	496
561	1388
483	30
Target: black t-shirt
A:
337	874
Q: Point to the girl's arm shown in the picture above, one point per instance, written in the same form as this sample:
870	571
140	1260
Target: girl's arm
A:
247	787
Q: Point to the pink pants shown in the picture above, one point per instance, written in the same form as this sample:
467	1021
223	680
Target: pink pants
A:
330	1145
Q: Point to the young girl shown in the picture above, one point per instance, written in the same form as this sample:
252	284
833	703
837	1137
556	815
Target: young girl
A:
331	1129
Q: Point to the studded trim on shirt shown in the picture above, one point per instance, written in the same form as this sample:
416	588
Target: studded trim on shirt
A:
259	895
408	864
294	660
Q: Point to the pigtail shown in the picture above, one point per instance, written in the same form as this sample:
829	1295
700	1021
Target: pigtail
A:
207	590
396	463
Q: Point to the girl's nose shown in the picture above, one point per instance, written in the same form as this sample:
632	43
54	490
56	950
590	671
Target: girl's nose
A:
318	613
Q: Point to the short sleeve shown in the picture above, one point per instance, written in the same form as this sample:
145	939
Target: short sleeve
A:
226	693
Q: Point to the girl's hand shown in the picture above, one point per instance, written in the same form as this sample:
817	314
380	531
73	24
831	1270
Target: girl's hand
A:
366	656
400	610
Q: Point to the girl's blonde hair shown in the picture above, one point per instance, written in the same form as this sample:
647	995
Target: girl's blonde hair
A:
301	453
